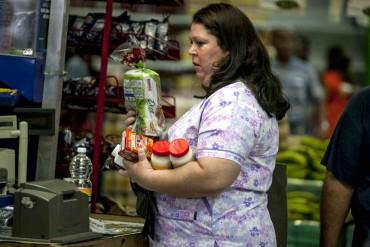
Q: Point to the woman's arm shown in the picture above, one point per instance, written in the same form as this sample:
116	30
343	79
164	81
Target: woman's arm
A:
204	177
334	207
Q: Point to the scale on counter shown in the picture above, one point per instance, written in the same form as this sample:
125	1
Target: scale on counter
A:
9	130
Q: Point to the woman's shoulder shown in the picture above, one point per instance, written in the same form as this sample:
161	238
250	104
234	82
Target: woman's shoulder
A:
236	94
235	89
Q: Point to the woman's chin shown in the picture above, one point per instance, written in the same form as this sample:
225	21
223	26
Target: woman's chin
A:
205	80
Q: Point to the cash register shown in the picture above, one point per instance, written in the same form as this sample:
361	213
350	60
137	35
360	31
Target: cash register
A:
50	211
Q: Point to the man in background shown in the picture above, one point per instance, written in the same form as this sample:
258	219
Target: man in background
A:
347	181
301	85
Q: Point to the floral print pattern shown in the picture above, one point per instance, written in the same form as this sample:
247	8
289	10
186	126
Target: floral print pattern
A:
230	124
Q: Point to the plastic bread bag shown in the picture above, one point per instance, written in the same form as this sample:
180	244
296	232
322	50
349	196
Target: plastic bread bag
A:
142	94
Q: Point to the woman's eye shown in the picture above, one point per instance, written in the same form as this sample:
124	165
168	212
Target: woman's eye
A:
199	43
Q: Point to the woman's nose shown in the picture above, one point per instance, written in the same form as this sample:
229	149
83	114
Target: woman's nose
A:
191	50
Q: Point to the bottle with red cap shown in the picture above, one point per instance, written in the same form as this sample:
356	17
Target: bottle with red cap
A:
160	158
180	152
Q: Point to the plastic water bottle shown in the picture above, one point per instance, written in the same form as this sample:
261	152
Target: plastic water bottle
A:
80	169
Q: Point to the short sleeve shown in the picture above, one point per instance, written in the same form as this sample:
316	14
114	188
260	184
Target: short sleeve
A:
343	156
229	126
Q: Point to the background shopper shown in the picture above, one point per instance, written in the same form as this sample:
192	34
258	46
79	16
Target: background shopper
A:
338	85
300	83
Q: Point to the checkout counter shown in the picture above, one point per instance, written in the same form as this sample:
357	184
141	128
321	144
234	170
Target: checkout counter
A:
49	212
55	213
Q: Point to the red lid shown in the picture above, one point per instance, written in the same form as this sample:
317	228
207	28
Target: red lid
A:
160	148
179	147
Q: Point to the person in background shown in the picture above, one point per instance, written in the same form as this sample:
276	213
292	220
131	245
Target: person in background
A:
338	85
301	84
346	185
303	47
78	66
220	199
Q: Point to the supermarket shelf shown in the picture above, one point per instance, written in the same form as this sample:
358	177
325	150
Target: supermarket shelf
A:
184	21
155	2
177	20
113	104
173	53
313	186
305	223
182	66
305	182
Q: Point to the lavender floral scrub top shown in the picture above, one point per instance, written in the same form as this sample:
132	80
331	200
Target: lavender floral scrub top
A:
229	124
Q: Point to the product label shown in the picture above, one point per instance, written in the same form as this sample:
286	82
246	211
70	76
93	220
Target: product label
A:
87	191
132	142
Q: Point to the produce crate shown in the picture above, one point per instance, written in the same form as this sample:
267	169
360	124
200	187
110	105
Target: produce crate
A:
348	234
303	199
313	186
303	233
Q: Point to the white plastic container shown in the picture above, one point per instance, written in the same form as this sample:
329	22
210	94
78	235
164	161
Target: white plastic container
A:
160	158
180	152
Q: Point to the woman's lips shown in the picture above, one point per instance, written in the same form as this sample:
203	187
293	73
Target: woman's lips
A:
196	66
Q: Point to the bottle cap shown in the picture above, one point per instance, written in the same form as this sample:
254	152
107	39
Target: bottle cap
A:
179	147
81	150
161	148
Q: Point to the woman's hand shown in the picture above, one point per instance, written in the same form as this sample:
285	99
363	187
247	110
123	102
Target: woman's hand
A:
130	118
138	171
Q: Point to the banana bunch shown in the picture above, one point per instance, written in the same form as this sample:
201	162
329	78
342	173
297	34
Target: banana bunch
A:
303	205
303	158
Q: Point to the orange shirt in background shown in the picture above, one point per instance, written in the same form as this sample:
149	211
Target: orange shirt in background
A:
335	100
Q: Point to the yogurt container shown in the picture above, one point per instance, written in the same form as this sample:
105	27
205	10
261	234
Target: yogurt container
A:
160	158
180	152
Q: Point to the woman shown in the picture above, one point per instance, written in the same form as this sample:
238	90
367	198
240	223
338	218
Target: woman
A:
219	199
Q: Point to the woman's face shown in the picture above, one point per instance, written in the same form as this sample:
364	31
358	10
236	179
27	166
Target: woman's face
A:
205	53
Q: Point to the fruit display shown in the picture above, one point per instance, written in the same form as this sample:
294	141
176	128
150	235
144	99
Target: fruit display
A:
302	157
303	205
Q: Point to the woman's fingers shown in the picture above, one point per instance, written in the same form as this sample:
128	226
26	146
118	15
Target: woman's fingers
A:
129	121
123	172
131	113
141	154
130	118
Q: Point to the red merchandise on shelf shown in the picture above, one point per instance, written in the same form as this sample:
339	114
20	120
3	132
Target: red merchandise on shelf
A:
173	53
173	49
